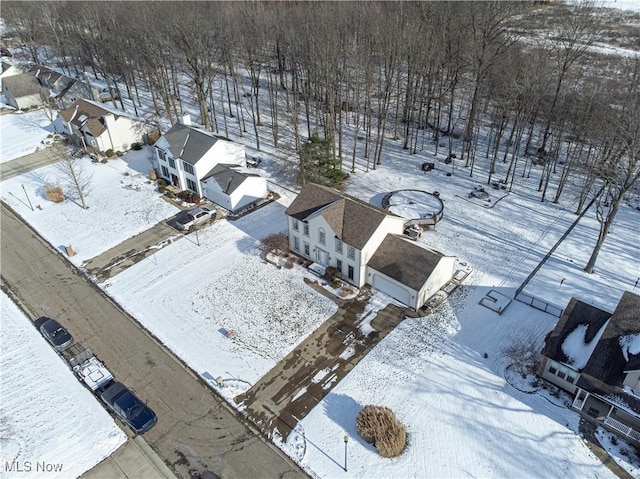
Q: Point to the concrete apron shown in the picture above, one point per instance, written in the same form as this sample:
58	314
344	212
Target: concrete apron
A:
296	384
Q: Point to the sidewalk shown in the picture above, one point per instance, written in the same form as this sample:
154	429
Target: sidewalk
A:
134	460
31	162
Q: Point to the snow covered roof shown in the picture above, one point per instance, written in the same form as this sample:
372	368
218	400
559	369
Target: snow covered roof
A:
405	261
354	221
577	349
190	144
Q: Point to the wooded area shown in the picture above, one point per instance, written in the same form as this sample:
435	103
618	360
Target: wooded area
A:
514	82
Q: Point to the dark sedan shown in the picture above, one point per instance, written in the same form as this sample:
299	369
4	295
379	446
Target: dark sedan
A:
129	408
56	334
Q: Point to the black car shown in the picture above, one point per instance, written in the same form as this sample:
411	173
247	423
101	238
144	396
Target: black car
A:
129	408
56	334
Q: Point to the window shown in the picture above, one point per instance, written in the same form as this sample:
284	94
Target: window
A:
165	172
351	252
295	225
338	246
306	249
296	243
187	167
306	229
339	265
571	377
172	163
350	271
552	368
322	236
191	185
161	154
561	374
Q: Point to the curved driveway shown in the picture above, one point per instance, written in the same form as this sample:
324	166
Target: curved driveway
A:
196	431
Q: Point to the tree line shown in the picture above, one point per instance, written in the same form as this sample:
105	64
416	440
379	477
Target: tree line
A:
467	77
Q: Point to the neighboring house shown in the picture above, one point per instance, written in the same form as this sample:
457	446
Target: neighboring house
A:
365	244
8	70
63	89
595	355
187	155
100	127
22	91
232	189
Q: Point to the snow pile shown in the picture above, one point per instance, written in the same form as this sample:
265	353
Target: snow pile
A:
630	345
44	409
577	350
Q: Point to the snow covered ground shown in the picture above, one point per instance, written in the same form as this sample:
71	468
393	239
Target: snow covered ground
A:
44	408
122	203
23	133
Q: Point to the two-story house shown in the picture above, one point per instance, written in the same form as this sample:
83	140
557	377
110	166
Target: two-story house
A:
595	355
63	89
207	164
95	125
365	244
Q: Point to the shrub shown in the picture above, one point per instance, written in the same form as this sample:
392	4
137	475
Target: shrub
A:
136	146
170	194
331	274
104	160
54	193
274	243
109	153
162	182
153	176
379	425
118	153
195	198
289	264
335	284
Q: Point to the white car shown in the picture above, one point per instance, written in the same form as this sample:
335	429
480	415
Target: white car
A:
190	220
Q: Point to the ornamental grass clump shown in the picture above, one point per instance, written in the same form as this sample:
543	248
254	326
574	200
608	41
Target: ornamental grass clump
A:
379	425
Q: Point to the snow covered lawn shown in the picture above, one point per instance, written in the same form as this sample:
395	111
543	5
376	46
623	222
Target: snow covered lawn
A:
193	295
122	203
23	133
44	408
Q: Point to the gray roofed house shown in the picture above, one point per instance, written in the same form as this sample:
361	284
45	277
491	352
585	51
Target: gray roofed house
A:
596	355
365	244
23	91
233	189
187	156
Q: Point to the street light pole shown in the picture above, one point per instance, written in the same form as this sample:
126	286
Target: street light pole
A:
25	193
346	440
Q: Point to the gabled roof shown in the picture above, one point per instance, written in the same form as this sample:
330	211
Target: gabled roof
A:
46	74
87	113
405	261
576	315
24	84
354	221
610	357
190	144
228	178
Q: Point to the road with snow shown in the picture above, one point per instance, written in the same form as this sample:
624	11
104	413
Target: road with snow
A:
195	430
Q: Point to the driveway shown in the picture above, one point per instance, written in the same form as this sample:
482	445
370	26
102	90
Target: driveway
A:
33	161
298	383
196	431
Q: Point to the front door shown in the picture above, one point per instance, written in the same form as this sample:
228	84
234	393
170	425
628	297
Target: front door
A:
322	257
174	180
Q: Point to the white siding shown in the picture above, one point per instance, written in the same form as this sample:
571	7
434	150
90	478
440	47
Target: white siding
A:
442	273
251	189
632	379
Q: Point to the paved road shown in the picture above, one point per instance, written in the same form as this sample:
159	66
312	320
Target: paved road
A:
196	431
30	162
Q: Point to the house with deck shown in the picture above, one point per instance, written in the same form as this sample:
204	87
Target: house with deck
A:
365	244
595	355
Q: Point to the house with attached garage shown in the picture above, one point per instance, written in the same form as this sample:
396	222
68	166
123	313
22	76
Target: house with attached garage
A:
595	355
365	244
209	165
94	125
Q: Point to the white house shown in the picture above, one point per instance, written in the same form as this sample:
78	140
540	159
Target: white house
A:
365	244
100	127
22	91
233	189
186	155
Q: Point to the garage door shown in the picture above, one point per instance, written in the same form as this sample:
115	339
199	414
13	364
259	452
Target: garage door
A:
394	290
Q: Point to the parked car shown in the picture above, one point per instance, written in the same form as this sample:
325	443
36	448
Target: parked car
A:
195	217
136	414
56	334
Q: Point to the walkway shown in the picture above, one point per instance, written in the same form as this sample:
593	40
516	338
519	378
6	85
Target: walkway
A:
298	383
